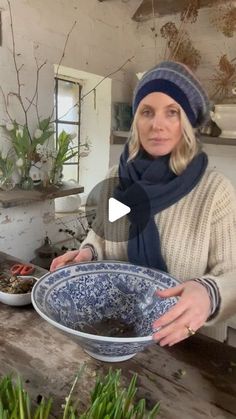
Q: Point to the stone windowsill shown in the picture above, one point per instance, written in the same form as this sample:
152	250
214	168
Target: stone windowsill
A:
18	197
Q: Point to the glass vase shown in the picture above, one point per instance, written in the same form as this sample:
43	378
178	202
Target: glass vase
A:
26	181
56	176
7	183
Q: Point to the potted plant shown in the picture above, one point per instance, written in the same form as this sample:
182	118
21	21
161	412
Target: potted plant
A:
6	171
25	145
54	159
65	151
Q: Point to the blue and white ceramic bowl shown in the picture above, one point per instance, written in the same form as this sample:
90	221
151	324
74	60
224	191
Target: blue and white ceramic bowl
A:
86	293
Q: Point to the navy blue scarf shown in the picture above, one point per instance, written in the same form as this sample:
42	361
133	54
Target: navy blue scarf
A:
162	188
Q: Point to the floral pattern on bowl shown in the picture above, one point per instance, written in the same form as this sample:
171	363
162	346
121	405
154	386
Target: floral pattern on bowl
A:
85	293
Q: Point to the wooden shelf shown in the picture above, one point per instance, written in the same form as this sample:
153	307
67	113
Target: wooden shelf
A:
121	133
119	137
207	139
19	196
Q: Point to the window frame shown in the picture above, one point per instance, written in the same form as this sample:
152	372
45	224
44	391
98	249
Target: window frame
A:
58	121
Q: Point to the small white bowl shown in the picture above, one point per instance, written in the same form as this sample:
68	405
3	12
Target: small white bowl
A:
15	299
22	299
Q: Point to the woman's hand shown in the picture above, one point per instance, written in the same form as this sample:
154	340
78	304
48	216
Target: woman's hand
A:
83	255
190	313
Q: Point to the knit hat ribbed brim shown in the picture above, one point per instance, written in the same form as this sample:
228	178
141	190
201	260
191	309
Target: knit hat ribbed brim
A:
178	82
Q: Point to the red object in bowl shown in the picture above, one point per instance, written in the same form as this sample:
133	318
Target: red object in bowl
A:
22	269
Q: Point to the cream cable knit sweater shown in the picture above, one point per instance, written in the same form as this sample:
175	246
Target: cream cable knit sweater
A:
197	234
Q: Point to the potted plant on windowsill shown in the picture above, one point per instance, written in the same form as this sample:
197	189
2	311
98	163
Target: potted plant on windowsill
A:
53	159
24	145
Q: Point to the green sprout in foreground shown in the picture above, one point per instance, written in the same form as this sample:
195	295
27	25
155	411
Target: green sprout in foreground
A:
108	400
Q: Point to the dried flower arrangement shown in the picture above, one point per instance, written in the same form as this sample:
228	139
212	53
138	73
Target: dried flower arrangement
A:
224	19
224	80
179	46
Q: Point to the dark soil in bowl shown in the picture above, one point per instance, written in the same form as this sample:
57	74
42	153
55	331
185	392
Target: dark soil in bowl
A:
110	327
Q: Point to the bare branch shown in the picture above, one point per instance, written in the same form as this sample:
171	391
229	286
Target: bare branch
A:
30	101
94	88
94	98
5	104
11	94
39	67
35	104
62	56
18	95
65	45
106	77
20	68
37	97
181	33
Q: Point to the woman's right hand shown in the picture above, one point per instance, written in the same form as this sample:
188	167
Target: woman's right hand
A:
82	255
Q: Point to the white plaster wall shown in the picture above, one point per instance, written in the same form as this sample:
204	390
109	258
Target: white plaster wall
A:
96	46
223	158
22	228
96	117
115	152
103	39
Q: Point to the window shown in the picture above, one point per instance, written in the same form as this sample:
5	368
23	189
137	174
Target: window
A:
67	118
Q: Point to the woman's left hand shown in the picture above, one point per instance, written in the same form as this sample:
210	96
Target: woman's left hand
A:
189	314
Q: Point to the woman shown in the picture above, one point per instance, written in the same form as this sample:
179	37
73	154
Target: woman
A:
191	228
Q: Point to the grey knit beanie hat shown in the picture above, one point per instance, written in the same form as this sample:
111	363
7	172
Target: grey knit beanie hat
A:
177	81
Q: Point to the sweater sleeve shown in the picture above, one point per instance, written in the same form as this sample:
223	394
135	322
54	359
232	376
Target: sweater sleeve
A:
222	251
96	241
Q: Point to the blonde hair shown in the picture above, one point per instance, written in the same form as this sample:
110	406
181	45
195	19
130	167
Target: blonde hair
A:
188	147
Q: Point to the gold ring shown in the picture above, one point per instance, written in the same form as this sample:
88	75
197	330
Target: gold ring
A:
190	331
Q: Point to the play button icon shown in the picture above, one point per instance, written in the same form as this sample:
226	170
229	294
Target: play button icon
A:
116	210
113	215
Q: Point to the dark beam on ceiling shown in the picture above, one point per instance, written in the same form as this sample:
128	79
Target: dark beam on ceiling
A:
166	7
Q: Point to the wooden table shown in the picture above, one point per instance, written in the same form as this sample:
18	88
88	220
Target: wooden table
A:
48	361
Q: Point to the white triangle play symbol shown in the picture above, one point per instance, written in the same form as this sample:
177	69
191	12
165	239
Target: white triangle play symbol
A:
116	209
